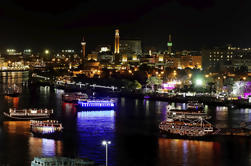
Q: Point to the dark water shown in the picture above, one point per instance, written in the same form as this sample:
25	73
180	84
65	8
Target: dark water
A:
132	128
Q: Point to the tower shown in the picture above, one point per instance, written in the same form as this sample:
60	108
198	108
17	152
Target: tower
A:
116	44
169	44
83	43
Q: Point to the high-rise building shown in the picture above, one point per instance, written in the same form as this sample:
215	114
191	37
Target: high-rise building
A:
116	44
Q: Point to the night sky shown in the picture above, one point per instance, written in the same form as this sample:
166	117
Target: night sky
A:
54	24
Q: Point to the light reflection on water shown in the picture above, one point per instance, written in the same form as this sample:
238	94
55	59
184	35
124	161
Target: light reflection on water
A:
93	127
187	152
135	121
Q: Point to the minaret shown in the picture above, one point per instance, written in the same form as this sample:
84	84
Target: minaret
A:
169	44
83	43
116	45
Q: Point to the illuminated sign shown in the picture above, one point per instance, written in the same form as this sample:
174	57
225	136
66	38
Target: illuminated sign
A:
169	44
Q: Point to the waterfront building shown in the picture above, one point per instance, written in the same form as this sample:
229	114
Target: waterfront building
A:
60	161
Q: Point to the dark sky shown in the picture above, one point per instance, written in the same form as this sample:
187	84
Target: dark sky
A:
58	24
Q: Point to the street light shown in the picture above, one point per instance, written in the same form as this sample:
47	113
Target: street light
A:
106	143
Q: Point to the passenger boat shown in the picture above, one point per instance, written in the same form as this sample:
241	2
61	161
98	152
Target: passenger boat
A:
92	103
48	128
73	97
62	161
196	128
13	91
28	114
195	105
186	113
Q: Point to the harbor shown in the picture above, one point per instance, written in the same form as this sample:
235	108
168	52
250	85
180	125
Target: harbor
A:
131	125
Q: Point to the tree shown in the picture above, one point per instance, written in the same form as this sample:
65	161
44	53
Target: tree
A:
152	81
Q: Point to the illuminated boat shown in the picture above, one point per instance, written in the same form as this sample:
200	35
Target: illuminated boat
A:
73	97
96	103
196	128
46	128
38	161
28	114
195	105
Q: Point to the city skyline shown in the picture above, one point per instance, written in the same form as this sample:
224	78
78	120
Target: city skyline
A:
61	25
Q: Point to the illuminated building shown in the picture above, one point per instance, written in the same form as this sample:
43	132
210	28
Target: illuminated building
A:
124	58
92	57
83	43
116	44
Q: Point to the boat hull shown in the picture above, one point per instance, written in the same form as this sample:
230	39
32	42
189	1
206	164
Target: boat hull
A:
166	134
55	135
23	118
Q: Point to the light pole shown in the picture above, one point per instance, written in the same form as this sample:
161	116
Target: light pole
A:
106	143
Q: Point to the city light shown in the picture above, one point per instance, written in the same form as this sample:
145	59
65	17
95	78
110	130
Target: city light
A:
46	51
199	82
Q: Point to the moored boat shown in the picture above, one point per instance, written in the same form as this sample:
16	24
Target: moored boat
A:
187	128
92	103
73	97
28	114
195	105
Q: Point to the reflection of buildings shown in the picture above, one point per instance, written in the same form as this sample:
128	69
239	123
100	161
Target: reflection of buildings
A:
44	147
12	100
180	151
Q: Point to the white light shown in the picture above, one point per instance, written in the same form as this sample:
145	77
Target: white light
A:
106	142
199	82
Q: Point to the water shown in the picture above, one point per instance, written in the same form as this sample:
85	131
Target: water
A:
132	128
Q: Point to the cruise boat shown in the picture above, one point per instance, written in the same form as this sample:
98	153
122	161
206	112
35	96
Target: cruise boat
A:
28	114
44	161
73	97
46	128
92	103
12	91
196	128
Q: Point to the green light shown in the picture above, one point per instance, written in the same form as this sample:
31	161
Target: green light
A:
169	44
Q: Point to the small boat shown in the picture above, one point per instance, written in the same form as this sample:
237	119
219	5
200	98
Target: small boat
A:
92	103
28	114
73	97
13	91
48	128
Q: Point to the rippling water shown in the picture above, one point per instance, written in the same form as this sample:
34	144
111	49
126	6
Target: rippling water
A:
132	128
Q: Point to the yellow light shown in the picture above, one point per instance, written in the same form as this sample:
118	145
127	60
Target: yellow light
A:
190	75
46	51
206	75
244	78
